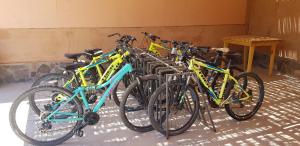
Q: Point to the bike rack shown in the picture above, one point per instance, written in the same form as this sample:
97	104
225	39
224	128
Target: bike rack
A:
188	74
201	111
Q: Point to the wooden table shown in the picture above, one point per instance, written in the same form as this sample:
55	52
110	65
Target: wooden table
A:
252	42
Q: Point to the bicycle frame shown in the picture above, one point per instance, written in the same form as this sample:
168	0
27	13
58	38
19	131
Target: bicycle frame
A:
94	63
110	84
153	46
194	65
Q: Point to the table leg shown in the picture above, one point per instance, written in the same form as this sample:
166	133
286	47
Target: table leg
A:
226	45
272	59
250	58
245	57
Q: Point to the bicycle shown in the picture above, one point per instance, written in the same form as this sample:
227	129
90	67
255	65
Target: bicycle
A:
78	79
134	103
231	95
92	55
67	117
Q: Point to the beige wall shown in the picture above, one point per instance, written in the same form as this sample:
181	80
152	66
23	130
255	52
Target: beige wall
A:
33	45
43	30
119	13
278	18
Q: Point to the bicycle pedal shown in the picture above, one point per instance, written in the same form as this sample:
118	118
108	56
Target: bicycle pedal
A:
79	133
235	99
92	99
48	107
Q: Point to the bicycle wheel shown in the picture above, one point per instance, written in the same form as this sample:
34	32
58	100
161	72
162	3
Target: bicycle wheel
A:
240	107
51	79
54	79
183	108
134	103
37	129
120	88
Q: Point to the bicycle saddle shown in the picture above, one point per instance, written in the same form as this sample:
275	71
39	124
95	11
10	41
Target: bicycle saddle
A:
151	36
76	65
224	50
73	56
185	43
95	51
232	55
204	49
165	41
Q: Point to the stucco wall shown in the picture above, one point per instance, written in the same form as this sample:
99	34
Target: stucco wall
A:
278	18
34	30
35	45
34	34
119	13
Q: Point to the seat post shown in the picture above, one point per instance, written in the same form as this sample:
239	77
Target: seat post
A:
229	63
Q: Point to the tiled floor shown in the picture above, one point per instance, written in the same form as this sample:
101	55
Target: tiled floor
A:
276	123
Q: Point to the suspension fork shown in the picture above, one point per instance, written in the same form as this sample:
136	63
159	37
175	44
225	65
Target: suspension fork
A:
184	90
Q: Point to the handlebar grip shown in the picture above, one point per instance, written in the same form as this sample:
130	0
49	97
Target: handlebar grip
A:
133	38
145	33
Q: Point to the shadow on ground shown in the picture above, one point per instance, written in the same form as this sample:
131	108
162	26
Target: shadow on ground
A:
276	123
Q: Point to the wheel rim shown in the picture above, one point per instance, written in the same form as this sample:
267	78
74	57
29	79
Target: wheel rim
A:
241	105
34	127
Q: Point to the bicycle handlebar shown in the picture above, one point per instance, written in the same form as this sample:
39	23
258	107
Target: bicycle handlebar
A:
114	34
151	36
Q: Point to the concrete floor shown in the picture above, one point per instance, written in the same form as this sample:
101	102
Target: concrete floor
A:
276	123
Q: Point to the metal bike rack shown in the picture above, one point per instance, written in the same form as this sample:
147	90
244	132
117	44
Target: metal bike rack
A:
188	74
201	113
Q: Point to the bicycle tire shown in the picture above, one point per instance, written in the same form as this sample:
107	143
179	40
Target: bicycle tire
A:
49	76
123	108
229	109
20	134
38	82
156	124
126	82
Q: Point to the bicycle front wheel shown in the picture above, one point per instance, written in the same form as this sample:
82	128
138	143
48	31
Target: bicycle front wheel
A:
183	108
241	106
134	104
45	129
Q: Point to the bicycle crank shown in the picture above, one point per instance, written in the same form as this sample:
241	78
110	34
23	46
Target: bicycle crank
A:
91	118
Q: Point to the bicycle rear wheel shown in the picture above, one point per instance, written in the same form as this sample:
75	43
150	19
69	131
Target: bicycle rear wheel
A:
242	109
183	108
134	103
51	79
54	79
38	129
